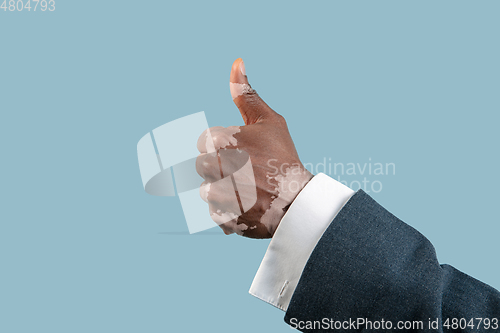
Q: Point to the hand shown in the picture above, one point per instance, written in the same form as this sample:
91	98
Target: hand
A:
274	178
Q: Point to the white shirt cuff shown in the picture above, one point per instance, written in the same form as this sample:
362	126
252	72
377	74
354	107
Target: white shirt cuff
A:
299	231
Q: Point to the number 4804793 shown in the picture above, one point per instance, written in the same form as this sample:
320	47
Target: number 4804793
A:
20	5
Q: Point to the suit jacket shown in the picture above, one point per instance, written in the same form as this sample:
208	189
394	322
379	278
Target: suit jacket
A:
371	265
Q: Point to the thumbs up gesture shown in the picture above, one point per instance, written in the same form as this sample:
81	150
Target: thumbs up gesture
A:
274	175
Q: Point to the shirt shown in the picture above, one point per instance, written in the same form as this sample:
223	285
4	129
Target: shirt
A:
299	230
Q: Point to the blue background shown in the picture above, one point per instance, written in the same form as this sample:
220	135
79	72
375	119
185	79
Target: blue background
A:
84	249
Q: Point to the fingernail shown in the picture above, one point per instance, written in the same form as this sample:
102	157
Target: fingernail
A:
228	232
242	68
238	82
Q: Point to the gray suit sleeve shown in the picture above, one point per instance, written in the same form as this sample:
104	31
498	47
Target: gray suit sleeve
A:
371	266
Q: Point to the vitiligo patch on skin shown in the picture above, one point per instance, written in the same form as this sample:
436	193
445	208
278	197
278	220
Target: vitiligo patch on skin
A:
236	193
230	190
216	138
223	202
233	227
238	89
226	138
220	217
204	189
287	188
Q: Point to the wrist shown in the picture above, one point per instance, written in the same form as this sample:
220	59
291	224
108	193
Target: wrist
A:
289	186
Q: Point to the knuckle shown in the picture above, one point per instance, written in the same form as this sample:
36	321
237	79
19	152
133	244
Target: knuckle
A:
207	166
200	161
217	139
225	137
202	142
204	190
280	119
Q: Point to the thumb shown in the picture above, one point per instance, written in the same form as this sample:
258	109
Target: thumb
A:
252	108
